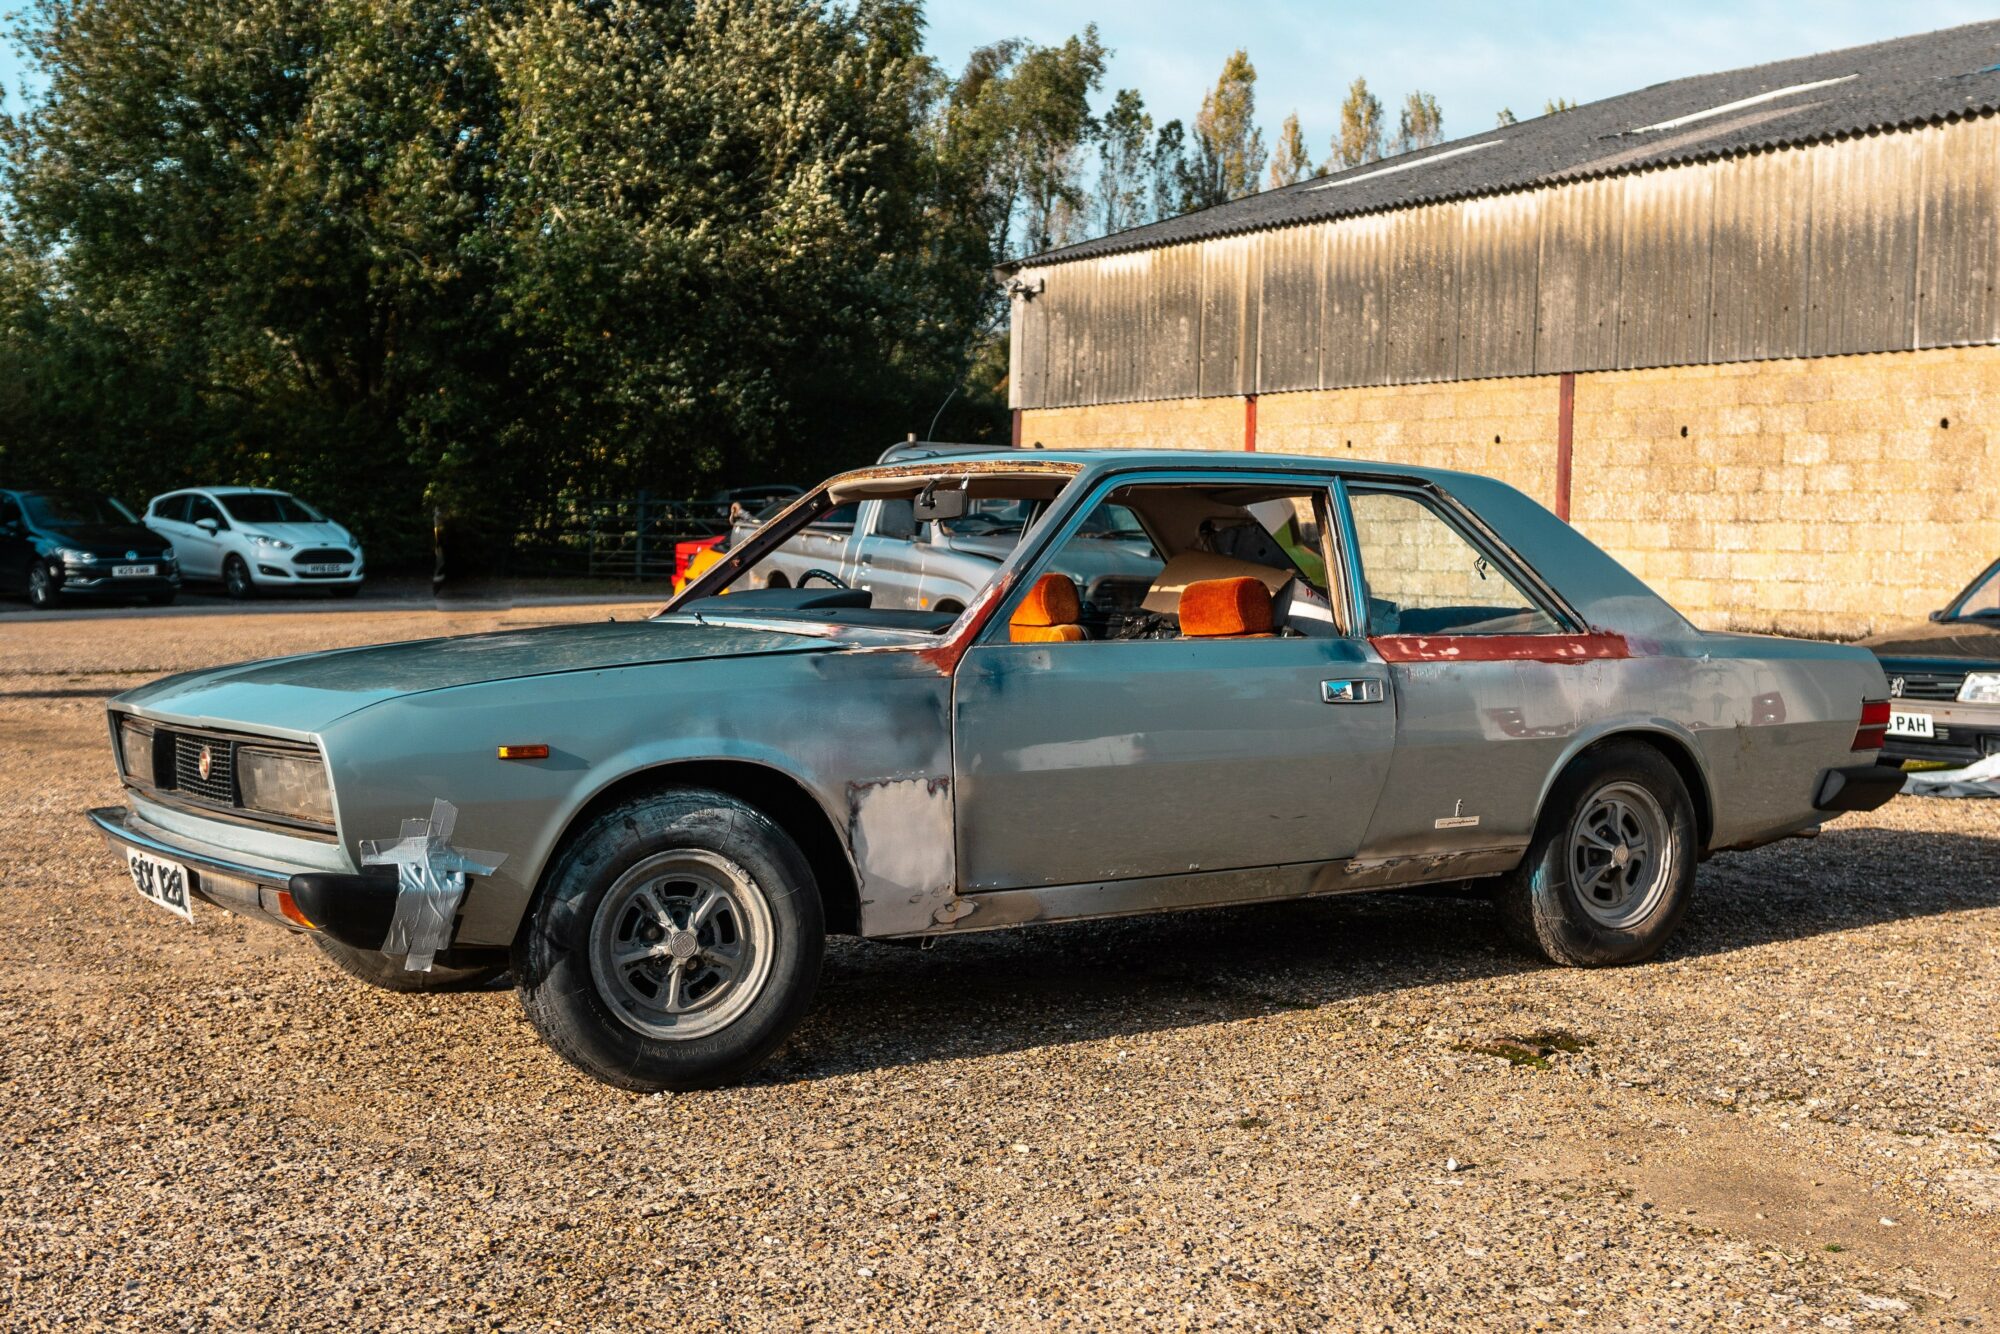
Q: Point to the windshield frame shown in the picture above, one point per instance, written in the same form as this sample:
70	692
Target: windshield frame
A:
1955	609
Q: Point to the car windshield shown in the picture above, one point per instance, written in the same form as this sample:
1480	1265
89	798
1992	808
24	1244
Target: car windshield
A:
67	509
1982	600
269	507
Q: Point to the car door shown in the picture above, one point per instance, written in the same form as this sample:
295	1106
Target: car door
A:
1119	759
201	549
1493	676
16	549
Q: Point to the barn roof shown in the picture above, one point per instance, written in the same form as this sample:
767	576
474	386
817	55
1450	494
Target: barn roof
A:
1933	77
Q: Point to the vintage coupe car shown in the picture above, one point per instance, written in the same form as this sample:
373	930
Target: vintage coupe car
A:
1338	677
1944	678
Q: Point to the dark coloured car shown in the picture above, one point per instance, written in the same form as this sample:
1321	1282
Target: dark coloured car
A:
58	545
1944	678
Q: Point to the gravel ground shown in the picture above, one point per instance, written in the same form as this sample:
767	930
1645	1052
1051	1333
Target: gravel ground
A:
1362	1113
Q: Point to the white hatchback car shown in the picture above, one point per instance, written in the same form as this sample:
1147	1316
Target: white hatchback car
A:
254	539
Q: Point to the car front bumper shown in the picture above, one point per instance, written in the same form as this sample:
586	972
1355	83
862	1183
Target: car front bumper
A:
1857	787
84	583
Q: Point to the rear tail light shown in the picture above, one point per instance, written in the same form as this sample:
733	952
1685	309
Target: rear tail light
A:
1874	724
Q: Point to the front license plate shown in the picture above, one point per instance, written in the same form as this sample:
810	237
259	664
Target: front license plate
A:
162	881
324	569
133	571
1911	724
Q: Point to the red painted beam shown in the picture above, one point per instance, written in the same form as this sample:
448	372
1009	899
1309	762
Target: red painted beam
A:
1250	423
1565	438
1016	414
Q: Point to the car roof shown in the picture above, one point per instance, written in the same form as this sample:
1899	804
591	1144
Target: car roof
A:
1098	460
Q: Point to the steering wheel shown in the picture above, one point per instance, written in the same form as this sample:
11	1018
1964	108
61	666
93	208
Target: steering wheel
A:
832	580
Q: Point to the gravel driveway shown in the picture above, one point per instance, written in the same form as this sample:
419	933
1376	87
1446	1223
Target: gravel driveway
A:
1362	1113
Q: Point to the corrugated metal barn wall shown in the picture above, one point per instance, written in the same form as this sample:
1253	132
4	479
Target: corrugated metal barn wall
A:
1874	244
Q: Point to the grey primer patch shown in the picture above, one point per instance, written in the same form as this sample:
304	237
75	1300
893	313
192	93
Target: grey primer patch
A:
430	880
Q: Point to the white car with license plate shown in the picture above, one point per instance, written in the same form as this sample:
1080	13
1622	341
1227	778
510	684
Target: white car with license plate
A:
251	539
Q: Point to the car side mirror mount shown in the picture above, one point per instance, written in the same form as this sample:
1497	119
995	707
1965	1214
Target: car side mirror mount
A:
934	504
1937	615
209	526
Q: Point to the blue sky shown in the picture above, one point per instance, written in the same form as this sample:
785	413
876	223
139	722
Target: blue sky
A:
1476	58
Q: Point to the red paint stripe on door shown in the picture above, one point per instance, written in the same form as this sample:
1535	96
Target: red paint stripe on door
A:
1500	648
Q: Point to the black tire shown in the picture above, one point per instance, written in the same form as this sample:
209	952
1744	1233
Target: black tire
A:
43	593
236	580
670	849
379	970
1575	899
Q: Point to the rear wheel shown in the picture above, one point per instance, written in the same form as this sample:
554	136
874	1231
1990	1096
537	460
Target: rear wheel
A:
1611	868
43	591
676	943
236	579
379	970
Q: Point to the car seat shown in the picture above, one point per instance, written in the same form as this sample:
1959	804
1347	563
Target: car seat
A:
1226	609
1049	614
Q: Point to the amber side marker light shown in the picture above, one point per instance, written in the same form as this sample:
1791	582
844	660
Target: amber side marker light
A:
290	908
1874	729
536	752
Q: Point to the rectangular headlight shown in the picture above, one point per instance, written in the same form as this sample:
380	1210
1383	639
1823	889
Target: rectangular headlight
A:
1980	688
284	782
135	750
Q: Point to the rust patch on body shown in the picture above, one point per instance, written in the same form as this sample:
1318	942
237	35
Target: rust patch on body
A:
1501	648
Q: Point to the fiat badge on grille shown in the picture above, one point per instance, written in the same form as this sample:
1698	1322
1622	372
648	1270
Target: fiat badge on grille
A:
206	763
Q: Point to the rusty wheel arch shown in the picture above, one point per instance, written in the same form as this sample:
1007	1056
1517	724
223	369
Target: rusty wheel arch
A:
772	791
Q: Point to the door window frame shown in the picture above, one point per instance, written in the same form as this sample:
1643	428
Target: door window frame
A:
1470	530
1335	549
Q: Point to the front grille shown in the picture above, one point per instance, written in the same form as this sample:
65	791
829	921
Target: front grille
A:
1925	685
323	556
220	784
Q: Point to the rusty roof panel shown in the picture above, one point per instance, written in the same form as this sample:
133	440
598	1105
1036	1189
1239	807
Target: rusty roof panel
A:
1758	289
1582	253
1958	271
1864	224
1664	272
1499	262
1927	79
1288	332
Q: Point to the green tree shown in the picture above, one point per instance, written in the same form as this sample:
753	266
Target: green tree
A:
1290	163
1123	167
1420	124
1173	175
1506	118
1555	104
1359	138
1229	148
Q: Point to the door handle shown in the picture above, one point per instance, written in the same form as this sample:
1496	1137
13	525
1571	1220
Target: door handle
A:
1352	690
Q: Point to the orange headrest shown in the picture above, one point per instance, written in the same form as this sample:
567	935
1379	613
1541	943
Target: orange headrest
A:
1215	608
1052	601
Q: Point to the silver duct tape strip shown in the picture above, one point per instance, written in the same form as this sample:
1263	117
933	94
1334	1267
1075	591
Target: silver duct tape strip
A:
430	880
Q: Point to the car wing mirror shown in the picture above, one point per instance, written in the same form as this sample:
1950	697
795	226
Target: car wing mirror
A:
934	504
1937	615
209	526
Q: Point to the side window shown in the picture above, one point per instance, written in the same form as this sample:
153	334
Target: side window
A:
839	519
1252	554
201	507
1425	577
173	509
897	519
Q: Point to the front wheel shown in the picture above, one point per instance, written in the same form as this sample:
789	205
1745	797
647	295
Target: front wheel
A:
43	592
236	580
1611	868
676	943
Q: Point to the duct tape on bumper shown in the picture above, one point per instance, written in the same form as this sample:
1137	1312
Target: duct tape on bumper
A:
430	881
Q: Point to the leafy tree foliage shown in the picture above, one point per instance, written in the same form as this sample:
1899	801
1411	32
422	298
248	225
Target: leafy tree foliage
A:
1229	148
1123	163
1420	123
1291	162
1359	138
418	256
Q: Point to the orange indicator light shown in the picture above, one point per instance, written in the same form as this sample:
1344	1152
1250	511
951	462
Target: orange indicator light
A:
535	752
290	908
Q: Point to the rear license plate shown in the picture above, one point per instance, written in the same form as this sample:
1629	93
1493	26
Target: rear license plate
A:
324	569
162	881
133	571
1911	724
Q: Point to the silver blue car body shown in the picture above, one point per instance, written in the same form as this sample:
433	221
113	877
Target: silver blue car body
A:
946	779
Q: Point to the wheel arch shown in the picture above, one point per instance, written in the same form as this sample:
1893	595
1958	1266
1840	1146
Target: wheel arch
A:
1673	747
771	790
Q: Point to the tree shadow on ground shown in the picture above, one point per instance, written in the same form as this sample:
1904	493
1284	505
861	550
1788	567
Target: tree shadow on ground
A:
980	995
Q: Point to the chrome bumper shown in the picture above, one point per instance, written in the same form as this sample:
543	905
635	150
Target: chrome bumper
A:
236	886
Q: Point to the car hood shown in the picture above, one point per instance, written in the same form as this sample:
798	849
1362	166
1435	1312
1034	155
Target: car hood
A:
300	695
108	539
303	534
1976	640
